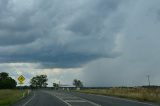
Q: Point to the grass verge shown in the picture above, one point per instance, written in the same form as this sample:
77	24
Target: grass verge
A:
140	94
8	96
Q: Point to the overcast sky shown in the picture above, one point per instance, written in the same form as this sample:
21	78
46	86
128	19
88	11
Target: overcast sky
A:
101	42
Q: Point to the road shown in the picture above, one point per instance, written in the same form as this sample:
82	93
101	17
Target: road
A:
61	98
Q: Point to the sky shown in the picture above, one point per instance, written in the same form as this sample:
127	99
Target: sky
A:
100	42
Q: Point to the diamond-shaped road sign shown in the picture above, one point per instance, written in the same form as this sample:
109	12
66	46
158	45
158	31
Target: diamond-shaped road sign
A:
21	78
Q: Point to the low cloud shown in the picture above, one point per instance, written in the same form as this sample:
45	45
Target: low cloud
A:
111	41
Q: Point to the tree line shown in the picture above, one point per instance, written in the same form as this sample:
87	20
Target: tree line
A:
6	82
38	81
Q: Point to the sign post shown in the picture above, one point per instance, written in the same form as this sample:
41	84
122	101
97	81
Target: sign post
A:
21	80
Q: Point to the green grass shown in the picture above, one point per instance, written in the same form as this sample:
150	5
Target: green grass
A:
141	94
8	97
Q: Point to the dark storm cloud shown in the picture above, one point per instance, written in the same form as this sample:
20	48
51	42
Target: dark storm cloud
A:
103	42
16	40
93	21
15	26
58	33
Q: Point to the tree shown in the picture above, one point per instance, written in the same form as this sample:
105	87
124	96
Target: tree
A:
6	82
56	86
3	75
45	84
77	83
34	82
39	81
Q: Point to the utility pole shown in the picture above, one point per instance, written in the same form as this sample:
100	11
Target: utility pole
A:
148	77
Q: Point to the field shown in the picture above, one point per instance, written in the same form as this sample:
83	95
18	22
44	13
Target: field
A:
8	97
141	94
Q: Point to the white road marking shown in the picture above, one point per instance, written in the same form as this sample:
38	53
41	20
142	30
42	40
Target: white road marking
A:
75	101
91	102
127	100
60	96
62	100
29	100
70	97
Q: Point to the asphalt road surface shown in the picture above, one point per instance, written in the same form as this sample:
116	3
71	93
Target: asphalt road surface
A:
61	98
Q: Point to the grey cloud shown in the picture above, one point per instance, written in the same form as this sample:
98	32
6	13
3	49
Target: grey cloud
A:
58	33
19	38
114	42
140	51
93	20
16	28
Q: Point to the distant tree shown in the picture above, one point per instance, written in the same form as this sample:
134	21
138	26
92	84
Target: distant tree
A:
6	82
55	86
34	82
77	83
39	81
45	84
4	75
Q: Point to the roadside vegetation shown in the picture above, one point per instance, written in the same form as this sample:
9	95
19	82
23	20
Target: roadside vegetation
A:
141	94
8	96
8	92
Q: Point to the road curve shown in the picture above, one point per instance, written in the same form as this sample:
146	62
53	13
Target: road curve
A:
61	98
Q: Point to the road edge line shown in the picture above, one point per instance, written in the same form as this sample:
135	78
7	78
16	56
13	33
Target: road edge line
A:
29	100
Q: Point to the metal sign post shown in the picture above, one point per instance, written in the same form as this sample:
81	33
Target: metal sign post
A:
21	80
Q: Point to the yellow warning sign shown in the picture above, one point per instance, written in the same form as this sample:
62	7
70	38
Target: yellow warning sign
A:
21	78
